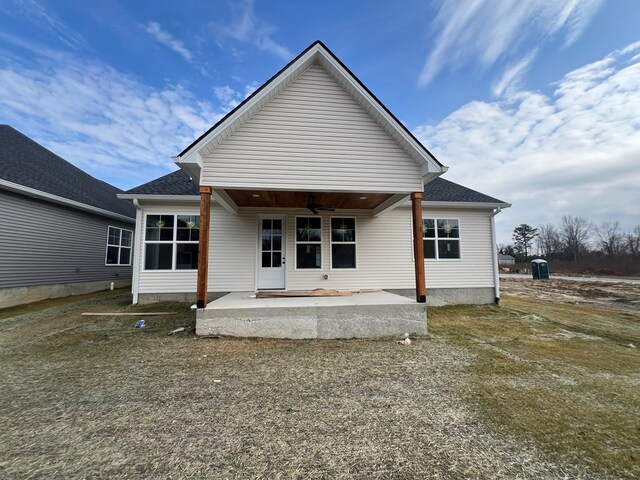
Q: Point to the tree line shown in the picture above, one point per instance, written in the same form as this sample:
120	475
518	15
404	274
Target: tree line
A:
575	239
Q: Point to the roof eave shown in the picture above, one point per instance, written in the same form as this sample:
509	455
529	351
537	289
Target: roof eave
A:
173	198
478	205
49	197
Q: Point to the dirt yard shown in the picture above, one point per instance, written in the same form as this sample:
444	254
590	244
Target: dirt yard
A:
92	397
621	295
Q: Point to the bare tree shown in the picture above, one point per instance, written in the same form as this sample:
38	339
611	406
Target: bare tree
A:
574	232
632	240
506	249
609	238
548	240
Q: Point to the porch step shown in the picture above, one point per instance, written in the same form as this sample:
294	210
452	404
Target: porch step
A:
370	315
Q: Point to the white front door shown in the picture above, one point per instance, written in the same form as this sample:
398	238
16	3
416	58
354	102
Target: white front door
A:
271	257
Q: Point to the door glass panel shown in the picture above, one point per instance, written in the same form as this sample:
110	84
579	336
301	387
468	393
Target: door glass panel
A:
266	242
277	242
266	259
277	259
266	226
277	227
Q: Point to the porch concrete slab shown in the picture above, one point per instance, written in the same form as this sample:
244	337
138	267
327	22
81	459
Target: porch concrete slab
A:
363	315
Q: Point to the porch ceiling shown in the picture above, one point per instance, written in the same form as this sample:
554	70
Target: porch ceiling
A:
247	198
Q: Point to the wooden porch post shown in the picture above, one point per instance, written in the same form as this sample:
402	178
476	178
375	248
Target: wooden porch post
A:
203	246
418	246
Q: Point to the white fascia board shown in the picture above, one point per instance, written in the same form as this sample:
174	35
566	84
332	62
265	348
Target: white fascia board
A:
478	205
225	201
190	168
429	175
39	194
389	204
176	198
465	205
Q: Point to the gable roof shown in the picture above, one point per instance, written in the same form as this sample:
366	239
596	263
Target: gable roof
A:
28	167
439	190
316	53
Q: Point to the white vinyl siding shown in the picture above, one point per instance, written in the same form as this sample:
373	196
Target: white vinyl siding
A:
475	267
312	136
384	253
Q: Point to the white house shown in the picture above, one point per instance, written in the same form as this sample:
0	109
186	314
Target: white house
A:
312	183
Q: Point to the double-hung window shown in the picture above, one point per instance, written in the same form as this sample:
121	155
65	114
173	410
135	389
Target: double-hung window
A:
171	242
308	242
343	243
118	246
441	238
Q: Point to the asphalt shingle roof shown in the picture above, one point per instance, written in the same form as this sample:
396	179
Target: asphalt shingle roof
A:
27	163
439	190
175	183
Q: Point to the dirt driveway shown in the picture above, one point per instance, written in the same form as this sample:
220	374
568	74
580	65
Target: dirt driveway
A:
91	397
623	296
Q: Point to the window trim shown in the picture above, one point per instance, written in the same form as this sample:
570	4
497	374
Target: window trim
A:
120	247
173	242
436	238
296	242
355	243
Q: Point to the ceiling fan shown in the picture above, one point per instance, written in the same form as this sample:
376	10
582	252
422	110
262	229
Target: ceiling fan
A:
316	207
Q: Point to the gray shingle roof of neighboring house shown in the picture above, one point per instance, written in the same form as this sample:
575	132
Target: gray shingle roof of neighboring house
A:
27	163
439	190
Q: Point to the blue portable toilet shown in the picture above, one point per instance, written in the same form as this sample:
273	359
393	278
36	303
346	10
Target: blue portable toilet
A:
540	269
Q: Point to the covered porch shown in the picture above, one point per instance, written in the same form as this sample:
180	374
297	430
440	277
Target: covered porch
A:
282	218
361	315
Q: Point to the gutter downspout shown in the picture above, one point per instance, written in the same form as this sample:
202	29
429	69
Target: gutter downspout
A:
496	274
137	245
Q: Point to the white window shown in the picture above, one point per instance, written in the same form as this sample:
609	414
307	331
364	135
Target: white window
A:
308	242
343	242
441	238
118	246
171	242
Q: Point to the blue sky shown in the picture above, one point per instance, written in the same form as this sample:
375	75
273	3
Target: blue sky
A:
535	102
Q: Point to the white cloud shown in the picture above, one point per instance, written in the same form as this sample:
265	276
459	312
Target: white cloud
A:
510	79
101	119
46	20
248	28
165	38
576	152
484	31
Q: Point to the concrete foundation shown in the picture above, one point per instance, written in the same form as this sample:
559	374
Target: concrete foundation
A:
189	297
367	315
10	297
438	297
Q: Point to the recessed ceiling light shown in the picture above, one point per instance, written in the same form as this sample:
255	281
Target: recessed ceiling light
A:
256	195
363	198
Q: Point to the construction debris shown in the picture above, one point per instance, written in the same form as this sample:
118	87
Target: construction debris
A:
177	330
139	324
125	314
318	292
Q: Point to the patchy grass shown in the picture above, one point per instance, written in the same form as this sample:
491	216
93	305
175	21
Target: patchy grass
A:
87	397
556	373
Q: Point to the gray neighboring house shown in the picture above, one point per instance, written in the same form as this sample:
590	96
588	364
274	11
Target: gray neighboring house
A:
506	260
63	231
